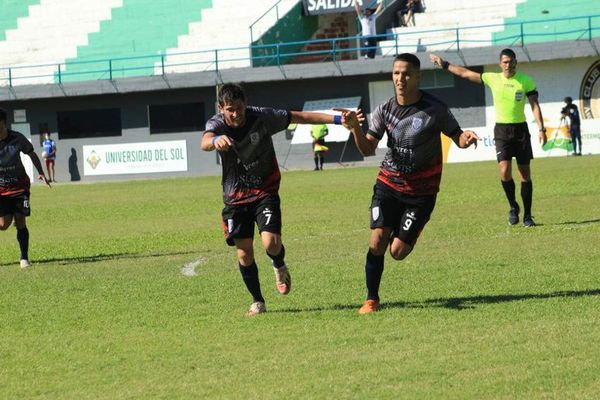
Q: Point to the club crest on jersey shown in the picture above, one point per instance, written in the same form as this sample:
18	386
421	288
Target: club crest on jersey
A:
417	123
254	138
375	213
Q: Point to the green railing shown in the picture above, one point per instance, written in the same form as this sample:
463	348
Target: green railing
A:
278	54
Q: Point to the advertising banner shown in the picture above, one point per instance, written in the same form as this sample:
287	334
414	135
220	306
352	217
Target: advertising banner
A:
135	158
317	7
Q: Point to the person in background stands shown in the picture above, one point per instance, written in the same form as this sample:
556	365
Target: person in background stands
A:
368	29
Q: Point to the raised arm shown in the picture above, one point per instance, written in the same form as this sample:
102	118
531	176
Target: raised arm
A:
357	8
537	114
379	7
457	70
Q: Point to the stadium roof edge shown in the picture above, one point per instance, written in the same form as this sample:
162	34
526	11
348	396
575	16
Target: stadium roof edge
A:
469	56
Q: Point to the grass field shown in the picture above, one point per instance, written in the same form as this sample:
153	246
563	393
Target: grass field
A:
478	310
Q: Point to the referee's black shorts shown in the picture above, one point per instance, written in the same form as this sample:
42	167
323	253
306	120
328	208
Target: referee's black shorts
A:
513	140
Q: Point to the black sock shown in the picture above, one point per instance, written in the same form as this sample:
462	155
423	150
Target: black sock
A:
321	160
527	196
23	239
509	191
278	260
316	161
250	277
373	272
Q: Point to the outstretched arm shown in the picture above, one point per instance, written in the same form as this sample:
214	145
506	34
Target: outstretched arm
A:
457	70
310	117
537	114
351	120
379	7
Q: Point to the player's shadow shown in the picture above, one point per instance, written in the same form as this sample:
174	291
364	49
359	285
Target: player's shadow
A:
589	221
459	303
100	257
469	302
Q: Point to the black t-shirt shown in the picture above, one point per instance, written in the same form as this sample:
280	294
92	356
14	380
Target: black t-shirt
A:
250	168
13	178
571	111
413	163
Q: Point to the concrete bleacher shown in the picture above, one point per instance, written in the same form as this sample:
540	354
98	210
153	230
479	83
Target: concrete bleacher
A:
436	27
49	33
224	26
139	28
47	41
12	10
567	29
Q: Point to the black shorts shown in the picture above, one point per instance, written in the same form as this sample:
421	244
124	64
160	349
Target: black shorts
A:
11	205
513	140
239	220
406	215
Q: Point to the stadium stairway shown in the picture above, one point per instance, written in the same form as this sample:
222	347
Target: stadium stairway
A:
224	26
12	10
48	33
558	30
434	28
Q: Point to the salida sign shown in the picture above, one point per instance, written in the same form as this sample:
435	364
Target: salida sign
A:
316	7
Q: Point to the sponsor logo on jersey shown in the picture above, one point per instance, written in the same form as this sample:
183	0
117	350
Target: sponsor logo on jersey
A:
518	95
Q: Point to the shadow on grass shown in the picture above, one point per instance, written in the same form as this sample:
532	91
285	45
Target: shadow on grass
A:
458	303
101	257
590	221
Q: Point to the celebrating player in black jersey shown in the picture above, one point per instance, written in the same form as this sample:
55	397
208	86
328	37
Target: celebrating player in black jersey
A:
242	136
14	184
405	191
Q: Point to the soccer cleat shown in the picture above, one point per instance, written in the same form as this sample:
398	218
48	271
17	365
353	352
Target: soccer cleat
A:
283	280
25	264
513	215
258	307
528	221
370	306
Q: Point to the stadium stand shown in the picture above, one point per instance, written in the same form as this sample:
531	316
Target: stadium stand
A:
566	29
434	28
224	26
11	12
65	26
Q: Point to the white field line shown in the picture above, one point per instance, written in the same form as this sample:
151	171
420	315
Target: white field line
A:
189	269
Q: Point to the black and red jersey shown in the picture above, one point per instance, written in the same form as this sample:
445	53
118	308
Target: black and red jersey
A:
250	168
413	163
13	178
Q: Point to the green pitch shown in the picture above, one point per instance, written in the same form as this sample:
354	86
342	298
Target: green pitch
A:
479	310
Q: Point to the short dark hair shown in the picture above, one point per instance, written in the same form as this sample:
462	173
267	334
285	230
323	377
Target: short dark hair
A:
568	99
3	115
230	92
509	53
409	58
